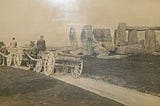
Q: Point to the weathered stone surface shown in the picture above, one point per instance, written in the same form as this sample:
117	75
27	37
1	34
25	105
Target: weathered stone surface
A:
103	49
132	37
134	49
150	40
73	38
121	34
112	56
98	35
76	52
102	35
99	50
121	50
107	35
87	39
72	35
116	37
87	34
142	43
142	28
157	46
109	46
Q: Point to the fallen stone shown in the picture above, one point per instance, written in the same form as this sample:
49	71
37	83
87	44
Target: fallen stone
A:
134	49
109	46
112	57
99	50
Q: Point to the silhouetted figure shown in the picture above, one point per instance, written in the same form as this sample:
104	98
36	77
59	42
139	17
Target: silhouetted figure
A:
41	44
13	43
3	50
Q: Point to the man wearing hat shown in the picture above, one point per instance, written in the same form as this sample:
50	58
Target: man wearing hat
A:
41	44
13	43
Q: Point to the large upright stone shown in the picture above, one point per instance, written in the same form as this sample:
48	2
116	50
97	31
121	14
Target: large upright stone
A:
86	33
157	46
72	35
107	35
98	35
150	40
73	38
116	37
121	34
132	37
87	39
102	35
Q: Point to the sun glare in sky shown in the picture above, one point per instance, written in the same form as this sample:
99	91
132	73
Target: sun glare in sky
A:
61	2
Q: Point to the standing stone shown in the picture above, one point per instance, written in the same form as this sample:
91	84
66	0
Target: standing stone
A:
157	46
107	35
98	34
150	40
132	37
87	39
73	38
116	37
122	34
102	35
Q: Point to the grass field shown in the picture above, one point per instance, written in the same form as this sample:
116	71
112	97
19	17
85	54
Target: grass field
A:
140	72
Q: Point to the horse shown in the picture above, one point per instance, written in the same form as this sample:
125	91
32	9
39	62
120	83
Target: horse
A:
4	51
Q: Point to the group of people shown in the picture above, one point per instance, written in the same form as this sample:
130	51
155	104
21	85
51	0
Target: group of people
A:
36	48
41	44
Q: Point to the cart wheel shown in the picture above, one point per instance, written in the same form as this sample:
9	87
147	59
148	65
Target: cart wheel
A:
38	67
17	60
9	60
49	64
77	70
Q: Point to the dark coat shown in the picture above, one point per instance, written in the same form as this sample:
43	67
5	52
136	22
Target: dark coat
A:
41	45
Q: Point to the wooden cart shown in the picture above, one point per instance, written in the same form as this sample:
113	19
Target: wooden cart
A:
50	62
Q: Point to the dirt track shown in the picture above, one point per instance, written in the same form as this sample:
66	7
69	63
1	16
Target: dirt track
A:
24	88
140	72
123	95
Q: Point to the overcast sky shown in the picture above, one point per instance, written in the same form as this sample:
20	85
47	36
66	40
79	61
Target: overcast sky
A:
28	19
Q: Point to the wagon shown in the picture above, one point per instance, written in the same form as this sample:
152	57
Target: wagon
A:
14	56
47	62
51	62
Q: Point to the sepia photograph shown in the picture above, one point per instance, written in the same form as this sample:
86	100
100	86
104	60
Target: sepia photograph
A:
79	53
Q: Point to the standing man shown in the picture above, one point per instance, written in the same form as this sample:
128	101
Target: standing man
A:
41	44
13	43
4	51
